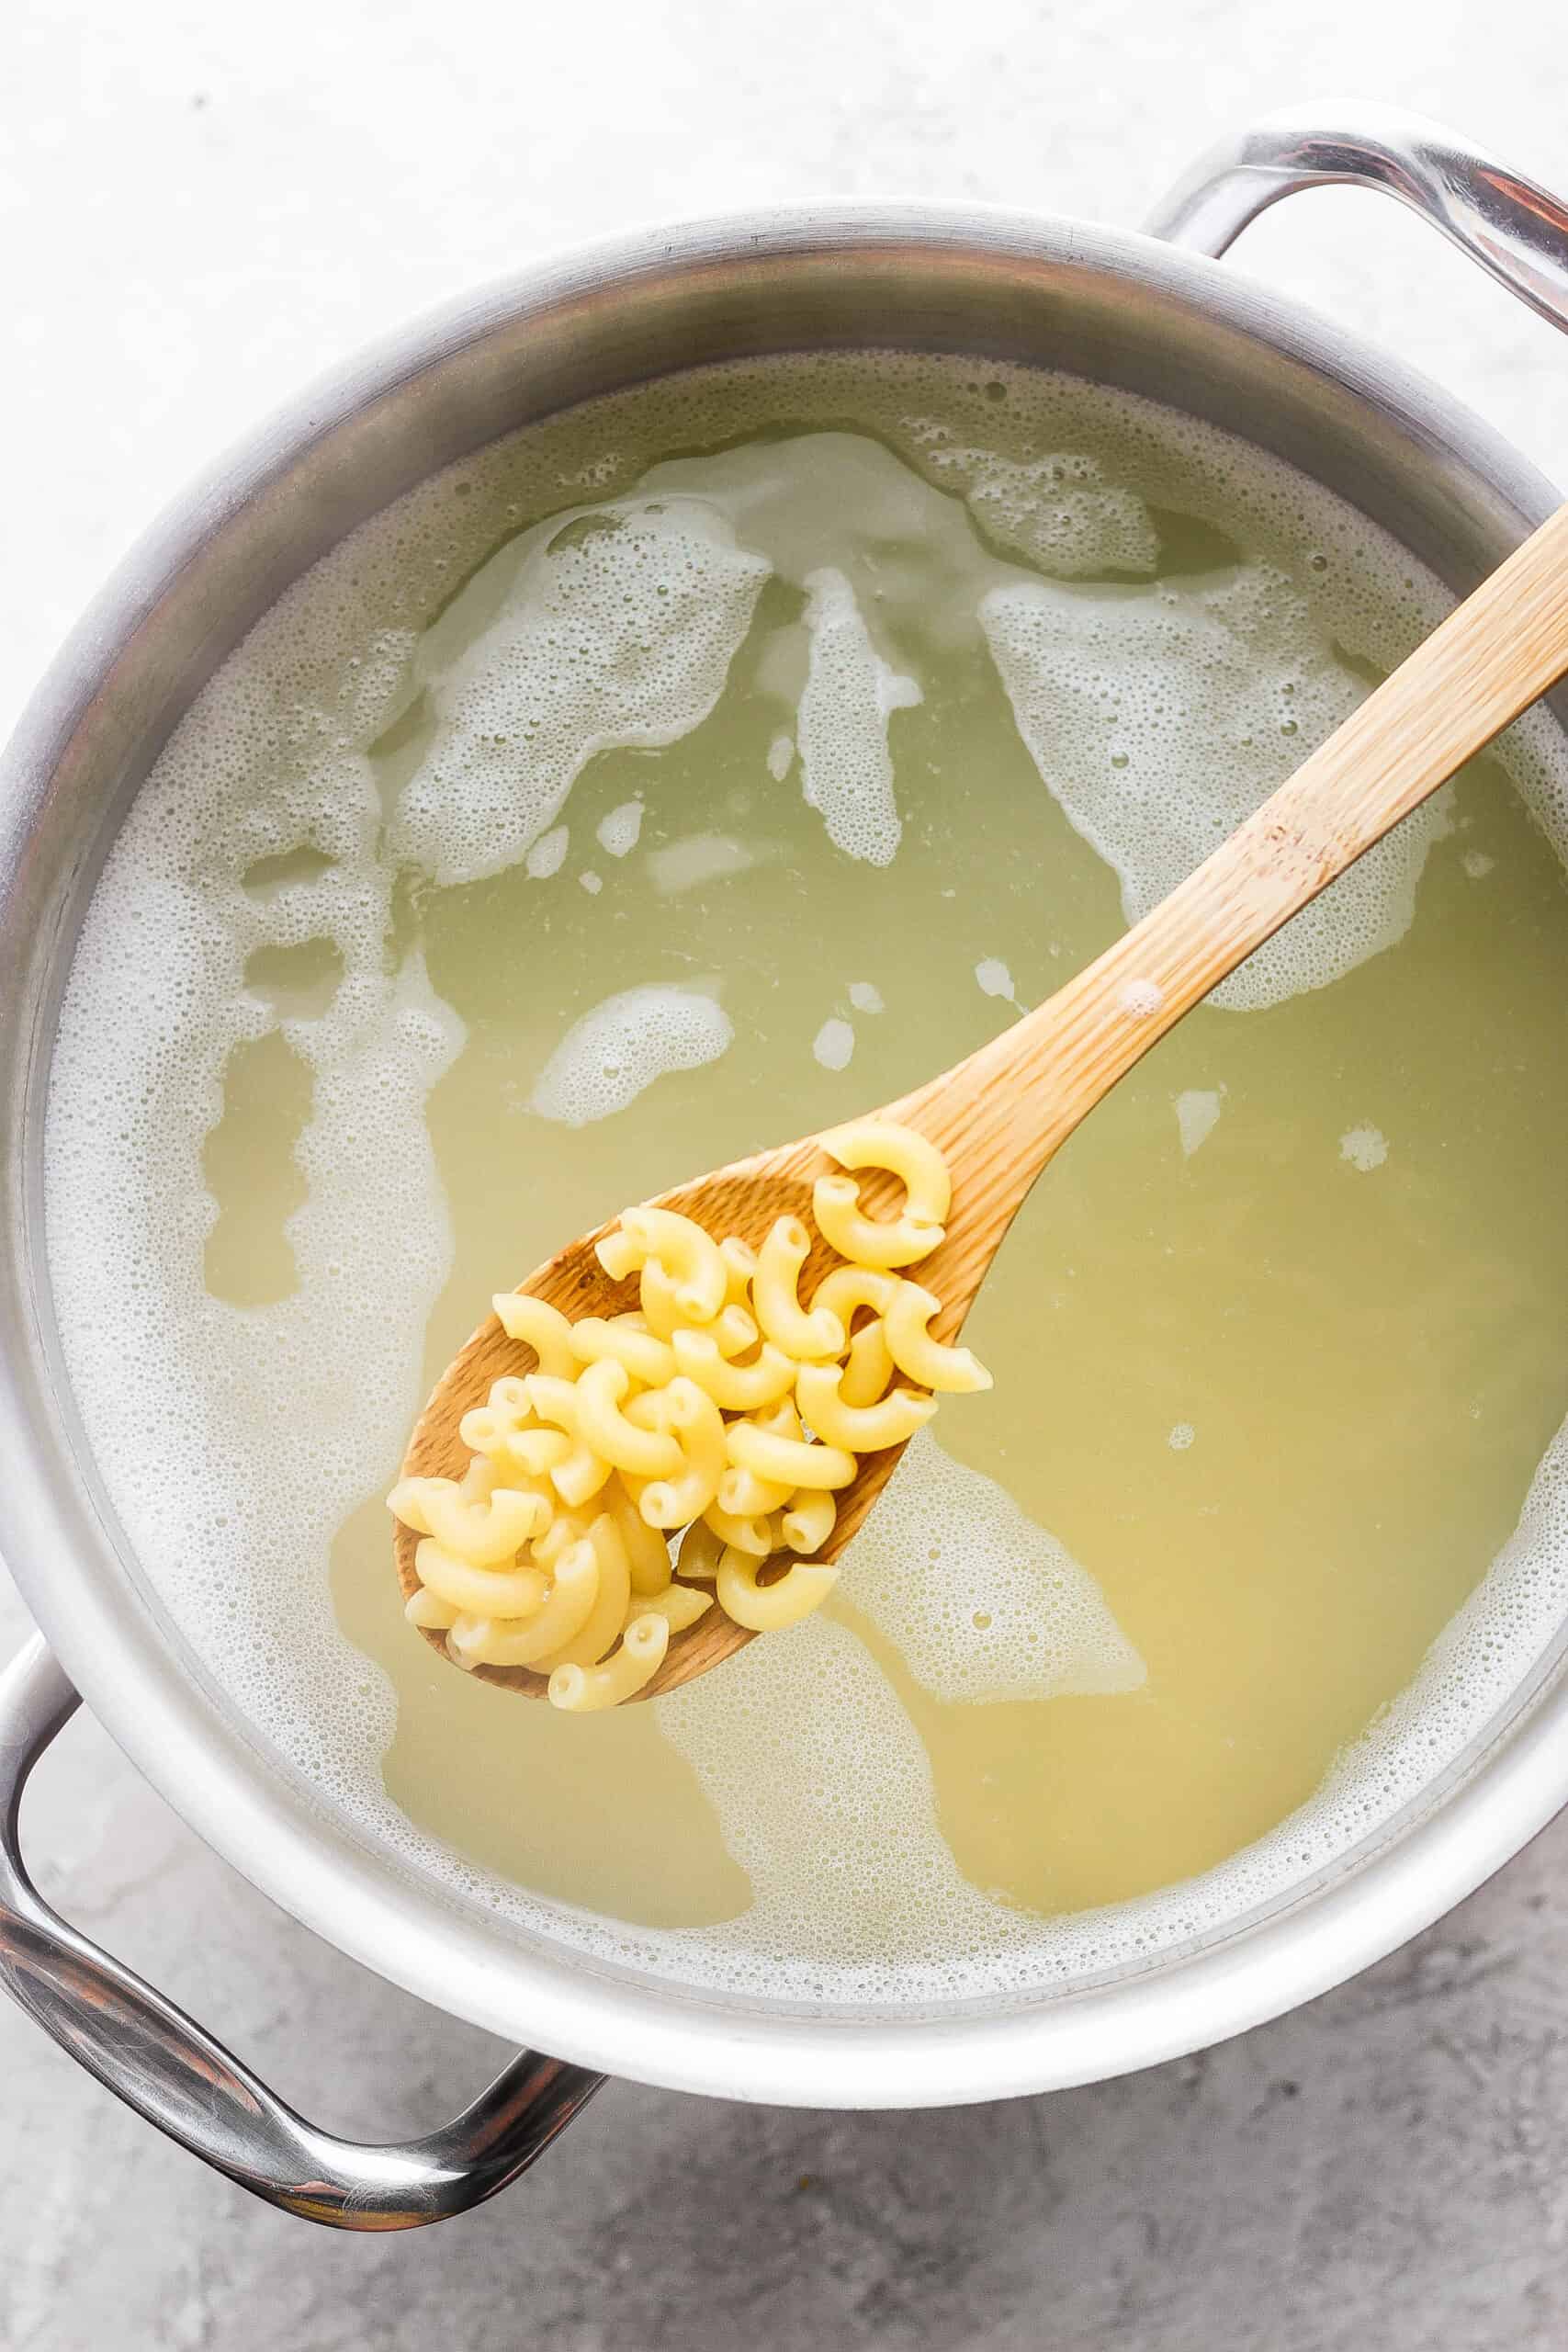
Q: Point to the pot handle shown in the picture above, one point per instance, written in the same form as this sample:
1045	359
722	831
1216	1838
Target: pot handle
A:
166	2067
1514	229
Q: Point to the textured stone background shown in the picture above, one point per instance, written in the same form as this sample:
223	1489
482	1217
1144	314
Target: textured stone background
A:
202	207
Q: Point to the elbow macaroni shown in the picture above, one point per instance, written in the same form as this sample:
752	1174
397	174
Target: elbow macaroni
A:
775	1290
584	1690
724	1407
915	1351
918	1164
809	1520
858	1429
762	1608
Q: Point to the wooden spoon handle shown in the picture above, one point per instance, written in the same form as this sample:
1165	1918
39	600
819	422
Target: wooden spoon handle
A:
1021	1095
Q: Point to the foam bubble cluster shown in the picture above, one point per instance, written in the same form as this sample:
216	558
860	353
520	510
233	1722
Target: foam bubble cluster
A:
1058	512
326	756
618	830
616	1052
823	1790
156	1004
1198	1112
621	635
849	696
1161	716
981	1602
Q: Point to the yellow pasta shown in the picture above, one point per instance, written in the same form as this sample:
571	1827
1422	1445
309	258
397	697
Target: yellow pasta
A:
791	1461
745	1496
809	1520
677	1604
858	1429
580	1472
658	1295
868	1367
424	1607
479	1592
619	1255
753	1535
518	1455
538	1326
774	1294
723	1406
505	1414
700	1548
734	1387
690	1415
605	1619
647	1358
604	1429
915	1351
868	1240
580	1691
479	1531
689	1255
848	1288
919	1165
554	1399
648	1553
734	1333
733	1330
763	1609
782	1419
477	1640
740	1265
567	1528
580	1477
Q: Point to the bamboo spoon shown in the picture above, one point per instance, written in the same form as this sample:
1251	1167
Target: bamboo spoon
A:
1001	1114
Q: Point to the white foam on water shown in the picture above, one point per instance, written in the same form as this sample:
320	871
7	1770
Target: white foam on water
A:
240	1529
822	1786
686	865
823	1792
1058	512
834	1044
1364	1147
850	695
1197	1115
621	636
547	854
994	978
617	832
866	997
618	1050
853	1890
1160	716
980	1601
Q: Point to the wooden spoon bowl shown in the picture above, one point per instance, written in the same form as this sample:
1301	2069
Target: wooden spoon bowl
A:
742	1199
999	1115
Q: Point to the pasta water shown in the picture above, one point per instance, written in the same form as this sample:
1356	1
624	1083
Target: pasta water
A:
703	767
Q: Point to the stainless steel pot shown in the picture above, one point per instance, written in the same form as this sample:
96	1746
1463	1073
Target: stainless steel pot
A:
1136	311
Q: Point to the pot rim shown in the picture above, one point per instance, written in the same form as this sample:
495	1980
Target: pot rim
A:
367	1901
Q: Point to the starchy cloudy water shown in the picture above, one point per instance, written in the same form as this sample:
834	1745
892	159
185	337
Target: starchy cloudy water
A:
377	725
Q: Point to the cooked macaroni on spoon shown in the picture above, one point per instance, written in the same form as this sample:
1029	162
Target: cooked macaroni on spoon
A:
725	1411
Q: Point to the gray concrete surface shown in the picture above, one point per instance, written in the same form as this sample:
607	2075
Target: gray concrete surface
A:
203	207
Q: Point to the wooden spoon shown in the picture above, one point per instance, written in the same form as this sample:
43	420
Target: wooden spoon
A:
1001	1114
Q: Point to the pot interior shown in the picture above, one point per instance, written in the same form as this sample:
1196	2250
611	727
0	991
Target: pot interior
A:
430	425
